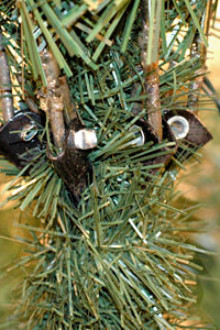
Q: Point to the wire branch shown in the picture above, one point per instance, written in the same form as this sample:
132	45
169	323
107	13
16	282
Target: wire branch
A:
150	47
51	98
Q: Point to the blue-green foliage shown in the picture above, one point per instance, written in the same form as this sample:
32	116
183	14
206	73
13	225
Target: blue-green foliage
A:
117	260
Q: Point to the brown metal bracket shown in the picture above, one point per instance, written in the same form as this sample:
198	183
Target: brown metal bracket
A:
188	129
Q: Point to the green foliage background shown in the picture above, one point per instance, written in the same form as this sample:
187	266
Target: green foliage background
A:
124	257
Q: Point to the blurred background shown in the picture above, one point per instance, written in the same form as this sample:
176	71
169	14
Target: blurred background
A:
205	187
202	184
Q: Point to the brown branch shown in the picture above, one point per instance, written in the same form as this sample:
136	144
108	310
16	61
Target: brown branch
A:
151	72
153	105
52	99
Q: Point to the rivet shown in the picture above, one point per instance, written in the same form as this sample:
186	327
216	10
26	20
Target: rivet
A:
85	139
180	126
28	132
139	138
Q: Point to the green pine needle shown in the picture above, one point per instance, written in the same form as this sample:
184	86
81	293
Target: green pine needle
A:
121	258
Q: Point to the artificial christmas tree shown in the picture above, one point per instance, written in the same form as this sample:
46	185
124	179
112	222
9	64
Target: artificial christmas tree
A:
105	117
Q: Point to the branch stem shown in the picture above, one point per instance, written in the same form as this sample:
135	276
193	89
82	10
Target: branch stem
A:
150	42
